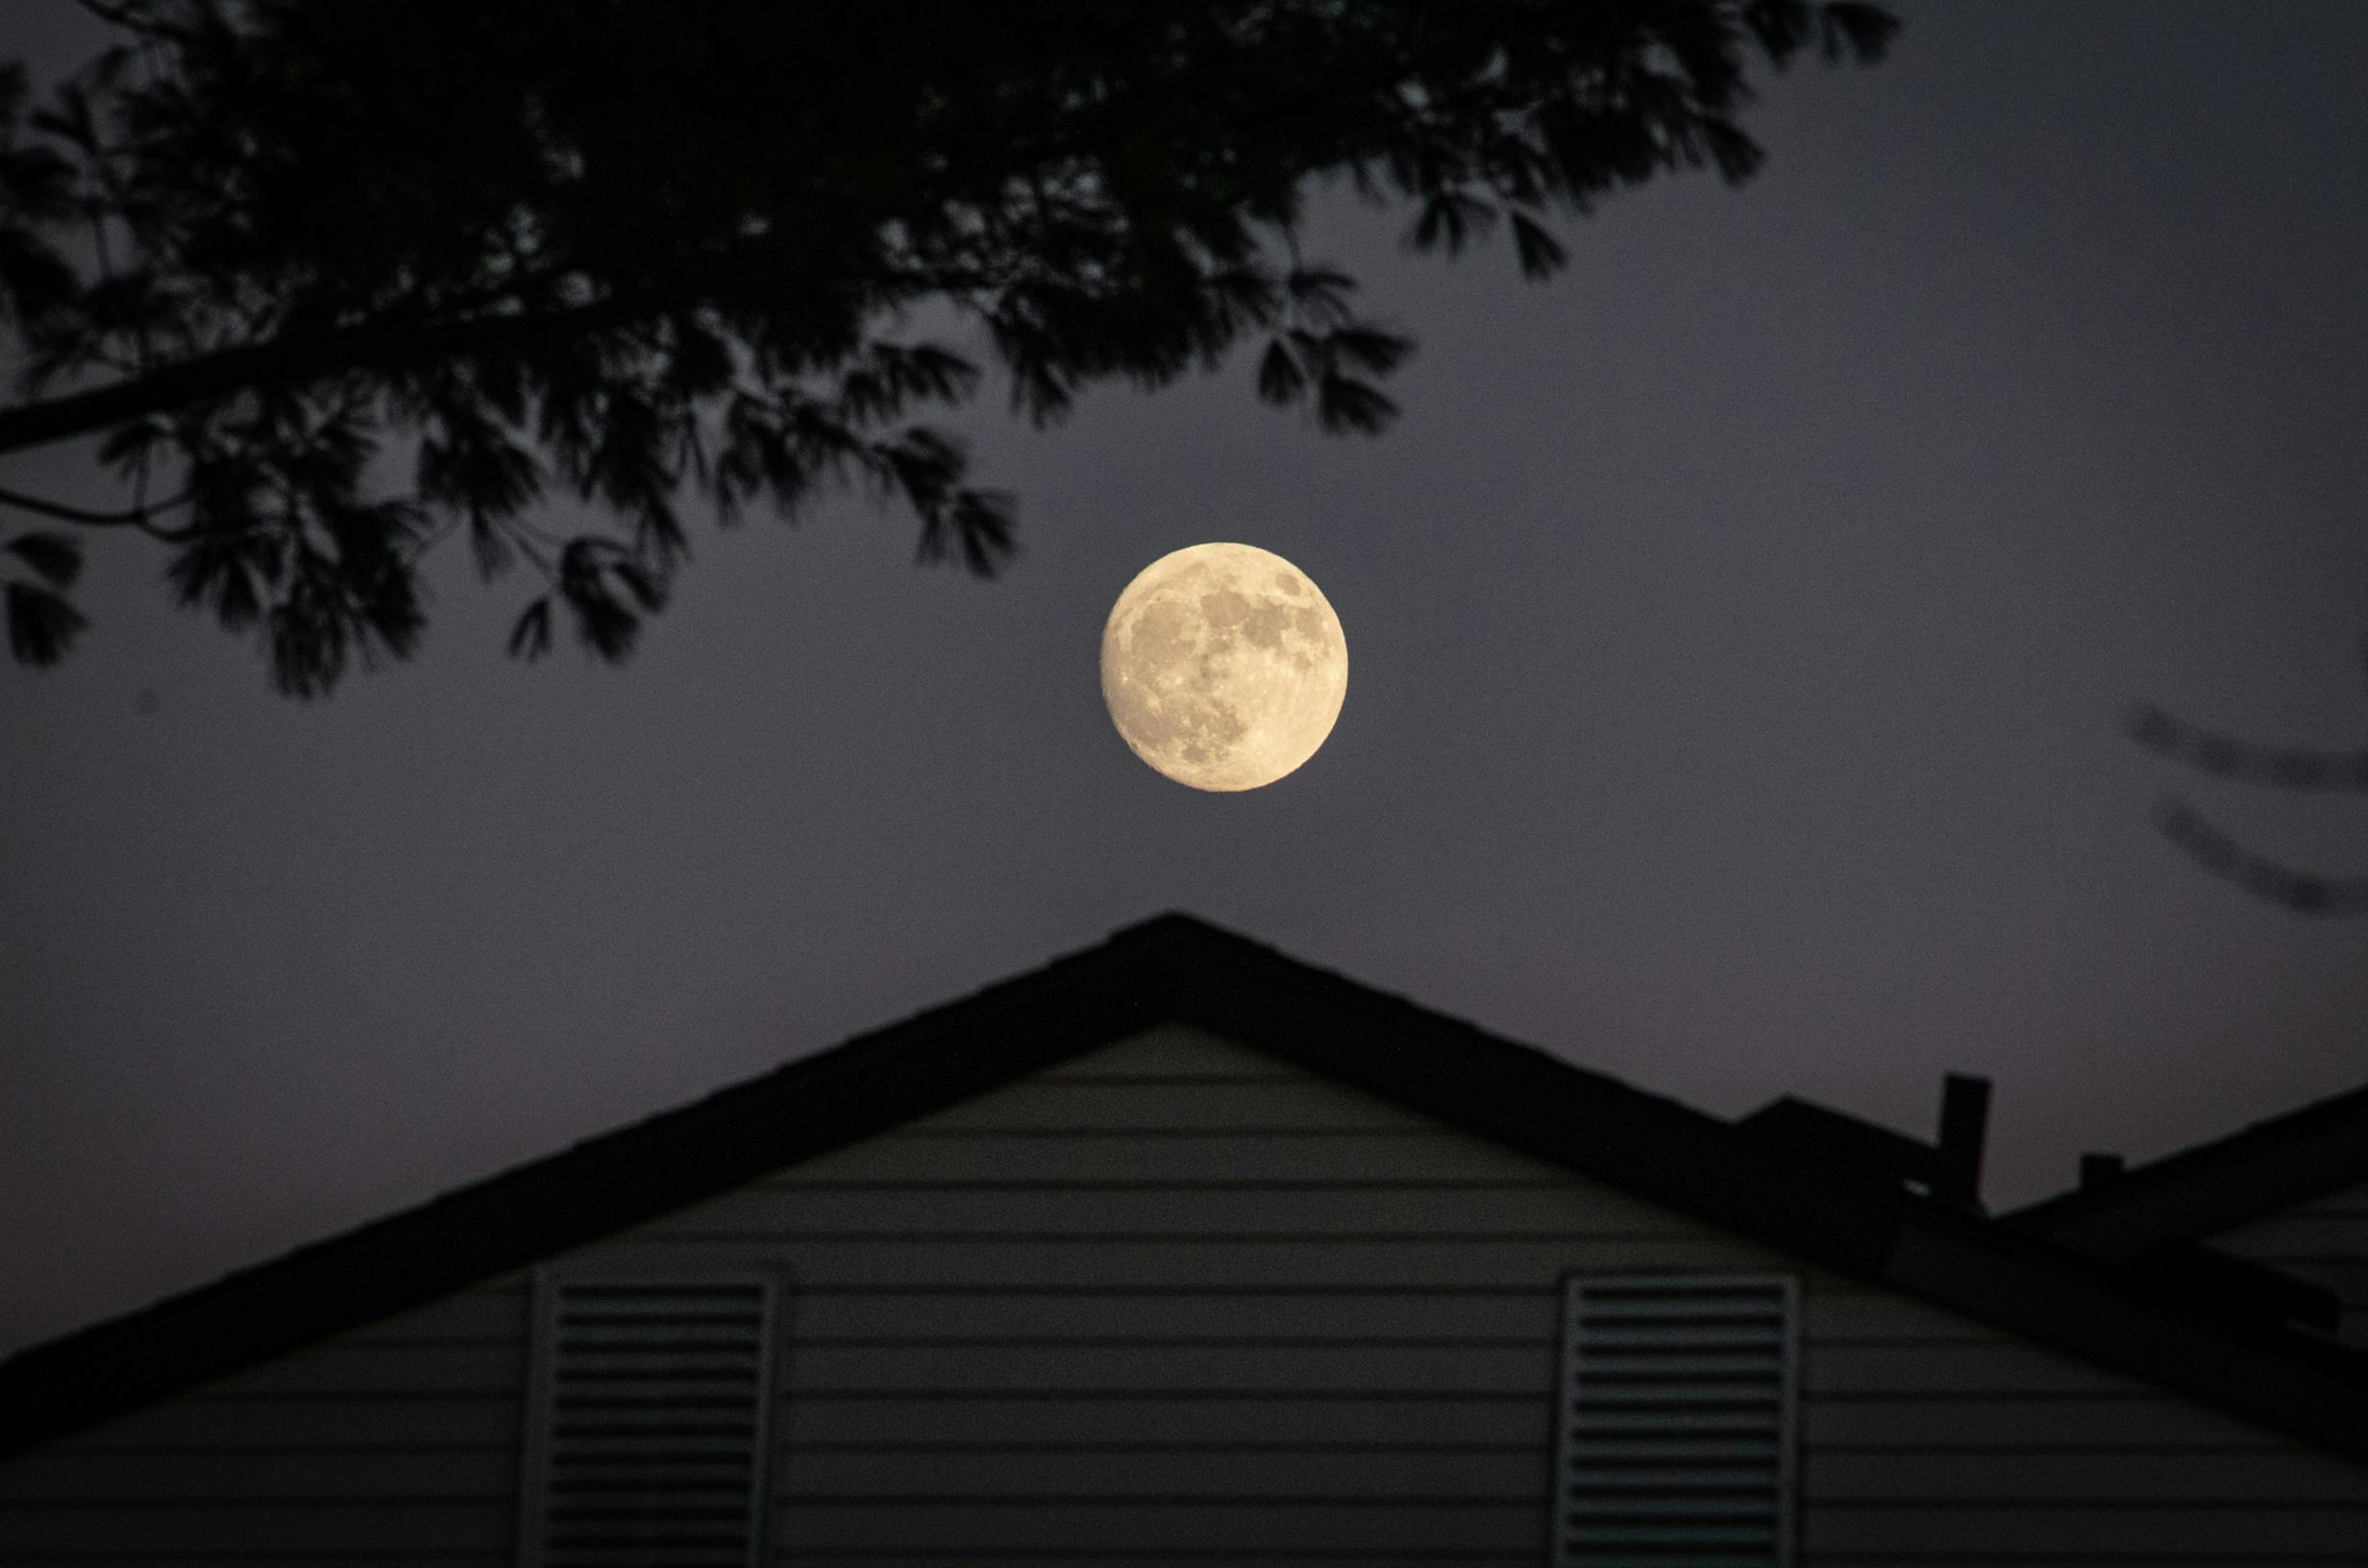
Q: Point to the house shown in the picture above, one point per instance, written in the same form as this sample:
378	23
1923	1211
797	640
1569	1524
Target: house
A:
2289	1193
1180	1251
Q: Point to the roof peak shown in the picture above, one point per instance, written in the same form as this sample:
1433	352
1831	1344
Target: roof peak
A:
1176	967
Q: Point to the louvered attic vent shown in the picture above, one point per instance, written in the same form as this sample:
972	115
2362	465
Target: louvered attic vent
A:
648	1445
1676	1425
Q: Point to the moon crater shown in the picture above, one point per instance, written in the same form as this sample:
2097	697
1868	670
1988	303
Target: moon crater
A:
1223	666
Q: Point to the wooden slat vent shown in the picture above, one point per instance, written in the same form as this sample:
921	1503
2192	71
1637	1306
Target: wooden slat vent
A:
649	1449
1676	1427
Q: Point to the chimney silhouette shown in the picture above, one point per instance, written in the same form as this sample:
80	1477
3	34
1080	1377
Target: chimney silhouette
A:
1964	1122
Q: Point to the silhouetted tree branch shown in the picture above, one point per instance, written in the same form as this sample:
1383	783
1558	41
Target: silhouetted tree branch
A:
263	250
134	517
2225	756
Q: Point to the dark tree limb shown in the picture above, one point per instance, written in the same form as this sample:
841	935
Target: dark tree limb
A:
142	518
633	252
293	360
2302	891
2224	756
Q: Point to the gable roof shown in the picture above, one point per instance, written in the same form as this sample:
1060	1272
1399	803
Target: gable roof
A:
2255	1170
1177	969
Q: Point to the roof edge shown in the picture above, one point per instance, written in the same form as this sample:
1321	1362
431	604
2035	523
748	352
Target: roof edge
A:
2210	1187
1671	1153
590	1189
1177	968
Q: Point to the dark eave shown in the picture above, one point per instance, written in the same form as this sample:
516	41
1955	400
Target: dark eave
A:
1175	967
2257	1171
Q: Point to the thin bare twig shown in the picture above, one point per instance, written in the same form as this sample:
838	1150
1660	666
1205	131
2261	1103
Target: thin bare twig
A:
142	518
2224	756
2257	874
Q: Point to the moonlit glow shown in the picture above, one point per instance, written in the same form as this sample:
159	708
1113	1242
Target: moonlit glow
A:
1223	666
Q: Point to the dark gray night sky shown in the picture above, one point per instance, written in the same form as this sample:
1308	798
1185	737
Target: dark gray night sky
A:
1738	627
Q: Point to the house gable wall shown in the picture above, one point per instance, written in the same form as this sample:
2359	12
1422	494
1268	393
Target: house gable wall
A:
1176	1296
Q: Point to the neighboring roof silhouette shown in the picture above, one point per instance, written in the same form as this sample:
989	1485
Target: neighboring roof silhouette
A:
1176	968
1846	1145
2257	1171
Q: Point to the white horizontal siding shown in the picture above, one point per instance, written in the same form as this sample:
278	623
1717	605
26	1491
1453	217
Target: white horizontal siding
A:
1153	1421
292	1527
227	1475
1904	1475
2325	1241
1175	1302
1197	1155
2115	1528
395	1443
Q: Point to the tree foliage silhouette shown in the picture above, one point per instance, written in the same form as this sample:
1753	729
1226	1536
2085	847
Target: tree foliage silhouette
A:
330	280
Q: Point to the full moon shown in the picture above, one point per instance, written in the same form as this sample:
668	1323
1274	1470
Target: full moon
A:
1224	666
